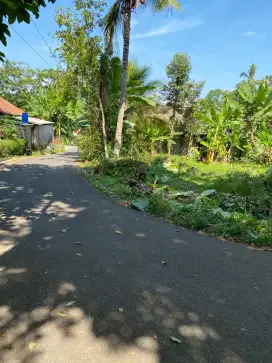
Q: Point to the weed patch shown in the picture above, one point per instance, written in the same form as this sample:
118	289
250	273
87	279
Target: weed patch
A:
238	204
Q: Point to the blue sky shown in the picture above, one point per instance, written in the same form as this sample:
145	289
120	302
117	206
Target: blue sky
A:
223	37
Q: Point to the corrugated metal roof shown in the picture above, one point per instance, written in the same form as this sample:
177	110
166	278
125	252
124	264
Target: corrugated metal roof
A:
9	108
36	121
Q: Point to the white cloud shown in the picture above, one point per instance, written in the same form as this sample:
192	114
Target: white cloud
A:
250	34
174	26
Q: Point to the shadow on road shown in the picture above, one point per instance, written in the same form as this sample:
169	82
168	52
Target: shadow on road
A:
72	280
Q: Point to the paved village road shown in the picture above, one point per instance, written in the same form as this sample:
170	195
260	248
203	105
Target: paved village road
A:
82	279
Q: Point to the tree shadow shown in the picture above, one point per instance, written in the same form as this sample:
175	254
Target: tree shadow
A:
82	279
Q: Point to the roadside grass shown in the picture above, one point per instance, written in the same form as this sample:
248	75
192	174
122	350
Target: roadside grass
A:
239	205
55	149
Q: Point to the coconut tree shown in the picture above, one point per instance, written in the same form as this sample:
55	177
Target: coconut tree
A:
251	73
140	88
120	15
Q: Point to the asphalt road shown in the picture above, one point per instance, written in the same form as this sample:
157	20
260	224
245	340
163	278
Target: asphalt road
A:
82	279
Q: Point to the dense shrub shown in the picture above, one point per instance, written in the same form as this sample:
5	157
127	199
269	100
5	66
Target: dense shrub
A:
12	147
8	129
90	145
127	168
136	145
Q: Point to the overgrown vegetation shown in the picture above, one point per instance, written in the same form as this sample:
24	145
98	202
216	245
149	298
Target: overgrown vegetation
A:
231	200
15	147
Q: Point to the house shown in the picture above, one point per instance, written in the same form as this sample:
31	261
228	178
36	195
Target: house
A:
38	133
8	108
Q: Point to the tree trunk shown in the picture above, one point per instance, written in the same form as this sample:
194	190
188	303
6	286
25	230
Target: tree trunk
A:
190	144
104	82
169	144
210	157
121	113
103	124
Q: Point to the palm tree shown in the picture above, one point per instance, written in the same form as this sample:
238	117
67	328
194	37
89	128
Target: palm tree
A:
120	14
139	86
251	73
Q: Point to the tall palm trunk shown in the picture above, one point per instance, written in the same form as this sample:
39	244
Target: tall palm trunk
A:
103	127
173	121
121	113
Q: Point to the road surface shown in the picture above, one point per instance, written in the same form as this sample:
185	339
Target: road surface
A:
82	279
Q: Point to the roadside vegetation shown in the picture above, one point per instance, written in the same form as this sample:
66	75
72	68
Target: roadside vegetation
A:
228	200
161	147
10	145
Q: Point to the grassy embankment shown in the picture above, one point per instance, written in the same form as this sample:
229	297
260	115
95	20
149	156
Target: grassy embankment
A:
238	204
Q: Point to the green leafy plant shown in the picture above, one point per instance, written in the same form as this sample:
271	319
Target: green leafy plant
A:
14	147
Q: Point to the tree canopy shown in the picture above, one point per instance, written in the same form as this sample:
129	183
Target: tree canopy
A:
17	10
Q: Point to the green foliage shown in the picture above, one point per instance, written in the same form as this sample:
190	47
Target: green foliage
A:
81	51
178	72
215	98
8	129
19	82
251	73
17	10
115	17
140	91
15	147
90	144
125	168
241	210
223	130
159	206
182	96
119	16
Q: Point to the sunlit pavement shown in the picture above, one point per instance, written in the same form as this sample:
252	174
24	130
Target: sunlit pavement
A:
82	279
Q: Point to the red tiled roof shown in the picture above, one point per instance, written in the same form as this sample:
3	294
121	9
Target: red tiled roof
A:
9	108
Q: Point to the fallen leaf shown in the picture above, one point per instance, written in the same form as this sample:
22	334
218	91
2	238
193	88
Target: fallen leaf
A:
62	314
32	345
70	303
121	310
79	254
175	340
78	243
118	232
125	203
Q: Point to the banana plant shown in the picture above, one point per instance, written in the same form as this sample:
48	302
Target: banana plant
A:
257	104
157	134
223	129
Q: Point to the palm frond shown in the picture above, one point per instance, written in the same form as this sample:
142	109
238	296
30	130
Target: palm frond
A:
155	83
140	90
160	5
252	71
112	21
142	100
137	75
244	75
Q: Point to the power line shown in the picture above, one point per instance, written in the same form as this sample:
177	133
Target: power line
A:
54	56
31	47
